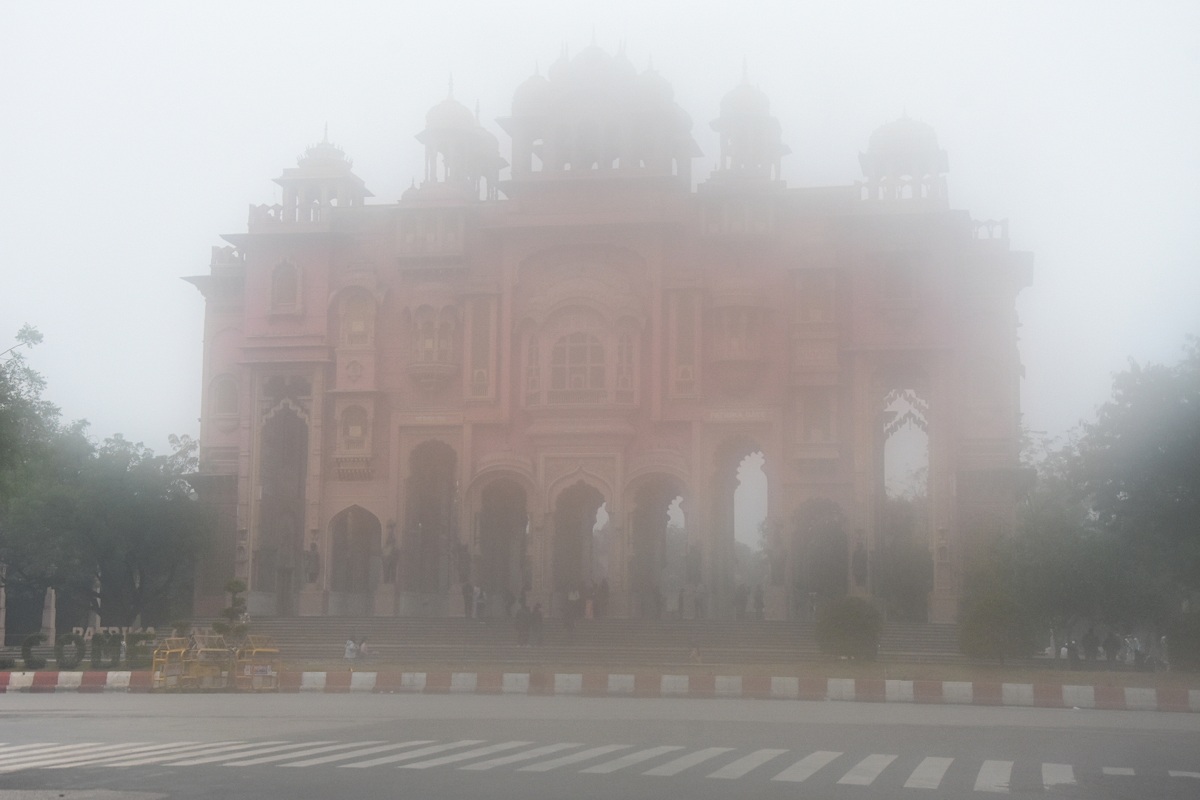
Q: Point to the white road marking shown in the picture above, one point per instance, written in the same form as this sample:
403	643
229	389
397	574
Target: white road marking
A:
25	748
1057	775
807	766
574	758
994	776
411	754
212	759
1175	773
43	759
203	750
866	771
928	774
631	759
465	756
253	762
528	755
84	760
739	767
44	749
366	751
1118	771
685	762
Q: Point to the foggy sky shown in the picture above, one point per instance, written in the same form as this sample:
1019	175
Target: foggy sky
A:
135	133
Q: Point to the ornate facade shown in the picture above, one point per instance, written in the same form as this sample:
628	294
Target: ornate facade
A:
400	397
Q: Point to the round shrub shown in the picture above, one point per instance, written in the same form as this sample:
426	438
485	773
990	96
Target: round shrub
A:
849	627
61	657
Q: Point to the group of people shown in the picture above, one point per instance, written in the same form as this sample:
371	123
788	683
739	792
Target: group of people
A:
1128	650
357	649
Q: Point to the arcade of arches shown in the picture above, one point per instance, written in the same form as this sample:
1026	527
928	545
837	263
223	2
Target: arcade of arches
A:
543	370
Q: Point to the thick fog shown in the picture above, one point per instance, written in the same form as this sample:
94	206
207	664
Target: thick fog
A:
135	134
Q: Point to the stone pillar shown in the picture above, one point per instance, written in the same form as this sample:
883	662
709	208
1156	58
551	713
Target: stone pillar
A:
49	610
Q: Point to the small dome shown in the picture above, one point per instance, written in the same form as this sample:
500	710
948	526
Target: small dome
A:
450	114
904	146
654	88
904	136
531	96
745	99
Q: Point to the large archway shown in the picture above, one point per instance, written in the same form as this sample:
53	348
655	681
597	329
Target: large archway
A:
735	546
502	524
284	467
433	559
903	571
574	523
357	562
821	556
657	571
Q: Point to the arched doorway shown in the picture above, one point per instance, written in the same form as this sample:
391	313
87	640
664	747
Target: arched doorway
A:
502	524
739	497
574	524
278	551
357	561
903	570
434	558
821	556
657	569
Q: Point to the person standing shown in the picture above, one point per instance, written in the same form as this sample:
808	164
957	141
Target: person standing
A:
468	595
535	624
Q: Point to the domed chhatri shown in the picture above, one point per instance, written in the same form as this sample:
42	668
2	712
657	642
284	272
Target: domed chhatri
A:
751	139
904	162
461	156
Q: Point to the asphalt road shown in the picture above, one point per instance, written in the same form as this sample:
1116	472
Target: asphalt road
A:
428	747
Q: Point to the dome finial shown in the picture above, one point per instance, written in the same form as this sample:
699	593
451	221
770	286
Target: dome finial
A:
325	137
477	109
593	34
450	88
745	70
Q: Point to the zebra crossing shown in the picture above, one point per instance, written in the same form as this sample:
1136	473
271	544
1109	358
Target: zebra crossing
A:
833	767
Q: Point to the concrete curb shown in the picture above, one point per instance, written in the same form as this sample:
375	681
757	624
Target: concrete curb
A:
606	684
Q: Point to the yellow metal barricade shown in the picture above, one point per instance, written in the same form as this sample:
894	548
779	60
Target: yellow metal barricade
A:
208	663
167	665
257	668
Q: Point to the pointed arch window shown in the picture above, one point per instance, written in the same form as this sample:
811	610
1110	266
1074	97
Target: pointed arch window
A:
577	373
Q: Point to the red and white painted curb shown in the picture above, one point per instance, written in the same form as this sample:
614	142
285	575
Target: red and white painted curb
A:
605	684
94	681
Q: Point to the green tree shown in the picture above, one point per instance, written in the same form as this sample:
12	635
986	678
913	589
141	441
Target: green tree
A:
74	515
1139	465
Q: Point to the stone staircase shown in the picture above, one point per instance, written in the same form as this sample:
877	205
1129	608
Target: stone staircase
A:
598	643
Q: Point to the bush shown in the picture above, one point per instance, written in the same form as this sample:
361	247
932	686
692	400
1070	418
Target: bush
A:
1183	642
849	627
64	660
27	655
993	623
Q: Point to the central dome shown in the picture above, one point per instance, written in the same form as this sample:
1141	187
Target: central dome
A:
450	114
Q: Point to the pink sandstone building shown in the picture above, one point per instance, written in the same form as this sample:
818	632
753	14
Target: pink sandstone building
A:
401	398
